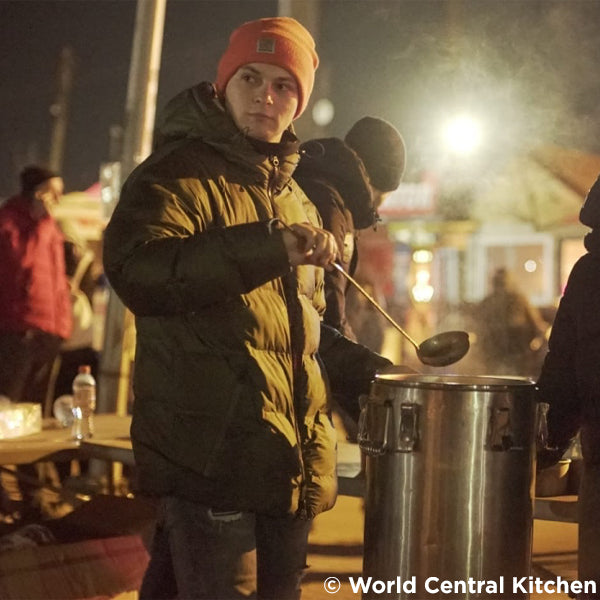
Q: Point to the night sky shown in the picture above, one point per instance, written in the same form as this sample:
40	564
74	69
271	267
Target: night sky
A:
529	69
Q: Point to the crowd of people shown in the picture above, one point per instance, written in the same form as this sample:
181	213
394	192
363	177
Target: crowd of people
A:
221	246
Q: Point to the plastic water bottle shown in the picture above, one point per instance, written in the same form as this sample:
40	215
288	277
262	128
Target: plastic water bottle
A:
84	403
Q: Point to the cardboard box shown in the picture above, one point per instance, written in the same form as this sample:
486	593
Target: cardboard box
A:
98	568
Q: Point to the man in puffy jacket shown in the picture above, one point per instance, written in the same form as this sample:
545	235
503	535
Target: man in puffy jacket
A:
35	302
220	256
570	383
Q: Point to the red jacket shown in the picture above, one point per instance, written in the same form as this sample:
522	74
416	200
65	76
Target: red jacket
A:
34	290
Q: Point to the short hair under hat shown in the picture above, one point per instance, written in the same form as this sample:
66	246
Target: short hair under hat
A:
32	176
381	148
279	41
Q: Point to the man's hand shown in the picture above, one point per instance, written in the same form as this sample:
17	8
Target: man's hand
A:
309	245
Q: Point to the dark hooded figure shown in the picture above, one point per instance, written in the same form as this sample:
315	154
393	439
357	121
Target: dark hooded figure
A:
347	181
570	384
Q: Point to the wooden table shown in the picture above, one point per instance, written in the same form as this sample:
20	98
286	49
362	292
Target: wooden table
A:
111	442
54	442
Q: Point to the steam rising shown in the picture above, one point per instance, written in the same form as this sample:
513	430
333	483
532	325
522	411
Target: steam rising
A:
528	69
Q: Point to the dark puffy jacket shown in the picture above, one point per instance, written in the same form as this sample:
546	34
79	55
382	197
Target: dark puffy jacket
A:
570	377
335	180
222	415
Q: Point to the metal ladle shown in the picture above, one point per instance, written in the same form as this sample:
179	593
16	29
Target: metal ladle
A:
438	351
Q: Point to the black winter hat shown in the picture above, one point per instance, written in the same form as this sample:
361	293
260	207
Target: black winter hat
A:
381	148
32	176
590	211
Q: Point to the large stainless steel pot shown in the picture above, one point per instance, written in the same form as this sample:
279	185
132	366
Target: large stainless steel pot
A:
450	471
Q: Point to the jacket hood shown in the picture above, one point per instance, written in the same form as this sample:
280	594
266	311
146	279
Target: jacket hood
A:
198	113
194	113
331	160
590	216
590	211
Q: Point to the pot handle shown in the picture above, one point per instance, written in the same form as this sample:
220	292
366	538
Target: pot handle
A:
407	437
369	447
500	431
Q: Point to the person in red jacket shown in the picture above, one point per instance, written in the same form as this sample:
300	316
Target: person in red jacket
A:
35	303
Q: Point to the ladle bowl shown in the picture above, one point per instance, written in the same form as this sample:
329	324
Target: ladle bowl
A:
444	348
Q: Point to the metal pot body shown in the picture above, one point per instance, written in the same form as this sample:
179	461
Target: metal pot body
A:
450	477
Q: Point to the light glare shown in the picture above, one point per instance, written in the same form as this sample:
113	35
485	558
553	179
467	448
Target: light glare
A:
463	134
323	112
422	291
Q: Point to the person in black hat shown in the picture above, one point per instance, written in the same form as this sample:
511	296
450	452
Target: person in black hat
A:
570	383
35	302
347	180
35	305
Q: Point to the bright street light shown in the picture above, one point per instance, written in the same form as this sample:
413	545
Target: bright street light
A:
462	134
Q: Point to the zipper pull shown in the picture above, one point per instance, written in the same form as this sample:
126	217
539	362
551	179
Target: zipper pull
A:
274	160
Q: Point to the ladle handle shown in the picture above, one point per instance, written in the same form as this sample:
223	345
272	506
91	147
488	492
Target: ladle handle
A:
361	290
374	303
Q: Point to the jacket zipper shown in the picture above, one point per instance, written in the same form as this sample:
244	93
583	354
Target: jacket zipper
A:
302	511
274	160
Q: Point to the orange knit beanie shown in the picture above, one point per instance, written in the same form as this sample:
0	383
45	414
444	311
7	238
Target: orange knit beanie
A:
279	41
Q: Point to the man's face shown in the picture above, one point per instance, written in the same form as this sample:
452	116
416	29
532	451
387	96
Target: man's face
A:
46	196
377	196
262	99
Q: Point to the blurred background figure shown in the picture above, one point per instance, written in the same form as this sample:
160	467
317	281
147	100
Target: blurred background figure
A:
366	322
510	331
570	383
84	278
35	304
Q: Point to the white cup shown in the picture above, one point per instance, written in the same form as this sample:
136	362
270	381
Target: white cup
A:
62	409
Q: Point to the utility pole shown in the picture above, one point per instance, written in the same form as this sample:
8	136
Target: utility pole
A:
140	106
60	108
140	109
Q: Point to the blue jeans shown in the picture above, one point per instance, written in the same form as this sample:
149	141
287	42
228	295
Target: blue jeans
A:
201	553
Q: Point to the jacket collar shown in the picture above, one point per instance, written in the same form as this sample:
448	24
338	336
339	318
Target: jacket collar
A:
330	160
198	113
20	206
